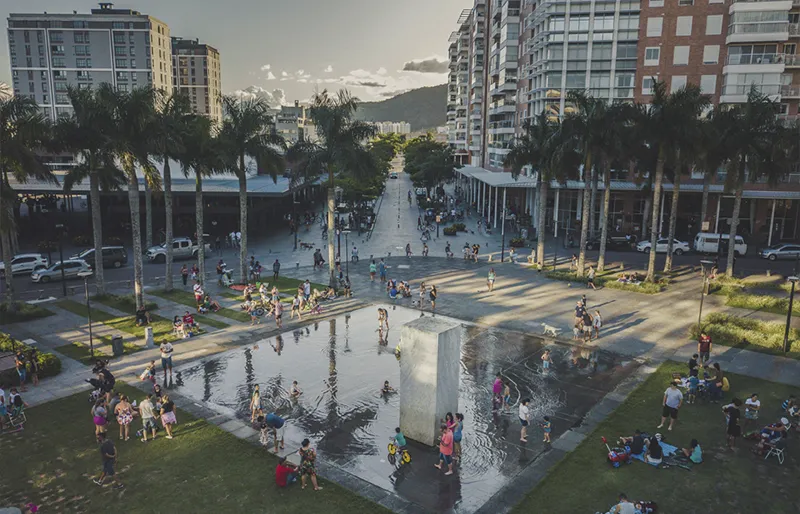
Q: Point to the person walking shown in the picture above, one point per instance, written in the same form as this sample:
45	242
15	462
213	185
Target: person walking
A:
433	294
490	278
308	468
673	399
185	275
100	417
109	455
354	255
276	270
704	348
278	311
524	419
373	268
166	358
590	278
296	308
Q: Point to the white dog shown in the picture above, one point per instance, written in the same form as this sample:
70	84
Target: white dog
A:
550	330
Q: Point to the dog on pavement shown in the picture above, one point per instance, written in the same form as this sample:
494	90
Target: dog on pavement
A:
550	330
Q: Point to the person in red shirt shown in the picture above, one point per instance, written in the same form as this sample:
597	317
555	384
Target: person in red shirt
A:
285	473
446	450
188	320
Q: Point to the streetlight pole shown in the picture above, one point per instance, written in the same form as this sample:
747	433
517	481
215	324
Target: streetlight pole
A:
60	229
346	246
86	275
786	344
503	229
705	264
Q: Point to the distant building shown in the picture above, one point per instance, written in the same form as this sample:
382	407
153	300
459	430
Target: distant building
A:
196	72
292	122
393	127
50	52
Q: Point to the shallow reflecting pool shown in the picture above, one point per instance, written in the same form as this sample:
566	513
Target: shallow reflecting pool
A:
341	364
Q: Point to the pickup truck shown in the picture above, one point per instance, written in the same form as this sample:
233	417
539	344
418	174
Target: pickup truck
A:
182	248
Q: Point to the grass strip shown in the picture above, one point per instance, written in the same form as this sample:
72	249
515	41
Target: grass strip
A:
123	303
81	351
20	312
748	334
187	299
610	281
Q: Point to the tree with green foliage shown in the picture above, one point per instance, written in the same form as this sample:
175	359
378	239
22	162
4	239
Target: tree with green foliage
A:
428	162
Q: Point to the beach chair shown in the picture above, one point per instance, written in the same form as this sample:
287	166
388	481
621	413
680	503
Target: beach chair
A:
777	449
17	419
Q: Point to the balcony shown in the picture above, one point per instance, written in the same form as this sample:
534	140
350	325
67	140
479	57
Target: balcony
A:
758	32
792	61
743	59
794	29
790	92
508	106
501	127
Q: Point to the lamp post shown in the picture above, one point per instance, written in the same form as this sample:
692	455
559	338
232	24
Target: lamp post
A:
85	275
294	220
786	345
503	229
706	264
60	229
346	246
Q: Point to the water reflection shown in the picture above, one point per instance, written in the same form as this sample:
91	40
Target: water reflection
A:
341	365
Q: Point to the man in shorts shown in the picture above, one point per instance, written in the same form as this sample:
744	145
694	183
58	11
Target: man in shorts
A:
704	348
109	453
382	270
278	426
166	359
673	399
148	414
278	313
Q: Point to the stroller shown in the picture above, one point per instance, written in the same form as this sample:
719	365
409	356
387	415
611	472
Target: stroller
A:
225	278
616	456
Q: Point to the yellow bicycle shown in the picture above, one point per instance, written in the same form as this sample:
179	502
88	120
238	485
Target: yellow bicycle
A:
405	457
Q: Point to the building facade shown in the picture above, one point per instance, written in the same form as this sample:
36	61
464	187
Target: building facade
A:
393	127
196	72
50	52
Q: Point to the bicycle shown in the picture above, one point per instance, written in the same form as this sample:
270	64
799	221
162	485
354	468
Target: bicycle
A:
405	457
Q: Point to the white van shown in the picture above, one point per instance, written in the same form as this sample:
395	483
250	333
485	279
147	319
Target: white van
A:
705	242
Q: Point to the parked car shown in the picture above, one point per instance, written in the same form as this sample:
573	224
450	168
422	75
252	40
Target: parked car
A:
182	248
616	243
393	175
71	269
113	257
706	242
780	251
25	263
678	247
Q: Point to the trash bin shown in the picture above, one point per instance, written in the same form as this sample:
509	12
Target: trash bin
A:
116	346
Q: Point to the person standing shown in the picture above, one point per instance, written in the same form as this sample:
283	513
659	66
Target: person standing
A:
673	399
296	308
22	370
255	404
109	454
373	268
354	257
408	250
524	419
168	415
704	348
546	361
148	415
422	290
276	270
734	415
590	277
307	290
445	449
382	270
597	323
490	278
278	313
457	436
124	413
33	359
433	294
166	358
184	275
308	468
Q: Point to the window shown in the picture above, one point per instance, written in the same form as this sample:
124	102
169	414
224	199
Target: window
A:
647	85
80	24
652	55
58	62
678	81
656	3
119	38
83	63
81	49
131	38
61	87
62	99
84	75
684	26
122	76
123	87
31	87
716	1
59	75
681	56
654	26
132	50
714	25
44	87
685	2
133	63
118	25
42	62
711	54
121	63
120	50
708	84
84	85
56	37
57	49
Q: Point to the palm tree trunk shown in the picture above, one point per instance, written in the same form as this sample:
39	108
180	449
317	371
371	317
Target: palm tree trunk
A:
136	230
587	191
540	229
737	205
704	206
148	215
167	225
243	219
331	232
673	219
601	261
592	220
651	265
5	240
198	220
97	231
645	216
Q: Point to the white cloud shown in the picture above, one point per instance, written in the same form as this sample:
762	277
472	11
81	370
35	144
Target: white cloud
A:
329	69
284	74
274	98
380	84
266	67
270	76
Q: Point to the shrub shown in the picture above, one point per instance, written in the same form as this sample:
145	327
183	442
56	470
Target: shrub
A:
49	364
460	227
517	242
749	333
450	231
610	281
21	312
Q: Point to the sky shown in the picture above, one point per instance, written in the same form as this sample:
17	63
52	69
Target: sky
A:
286	49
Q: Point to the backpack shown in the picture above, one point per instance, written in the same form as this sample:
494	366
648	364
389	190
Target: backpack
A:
726	386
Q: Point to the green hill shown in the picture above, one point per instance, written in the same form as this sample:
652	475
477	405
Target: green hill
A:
423	108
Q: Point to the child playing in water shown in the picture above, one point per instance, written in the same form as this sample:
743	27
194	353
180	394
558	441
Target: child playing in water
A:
507	395
546	360
263	436
546	427
295	390
386	389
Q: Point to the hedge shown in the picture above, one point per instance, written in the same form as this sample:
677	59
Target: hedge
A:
49	364
610	282
22	312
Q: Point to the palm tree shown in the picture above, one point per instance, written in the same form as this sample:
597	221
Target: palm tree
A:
586	125
172	116
662	123
23	128
714	149
134	130
201	156
247	131
339	150
87	132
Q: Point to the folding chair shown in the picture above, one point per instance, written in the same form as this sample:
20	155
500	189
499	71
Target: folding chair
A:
777	448
17	419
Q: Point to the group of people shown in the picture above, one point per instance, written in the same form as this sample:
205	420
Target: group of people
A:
403	289
586	326
501	398
450	441
471	252
10	407
185	326
27	366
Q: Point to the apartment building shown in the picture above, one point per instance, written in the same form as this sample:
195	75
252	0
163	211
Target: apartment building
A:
292	122
196	73
50	52
458	87
393	127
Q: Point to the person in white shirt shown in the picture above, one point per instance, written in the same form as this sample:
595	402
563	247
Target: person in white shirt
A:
751	407
624	506
673	399
166	359
524	419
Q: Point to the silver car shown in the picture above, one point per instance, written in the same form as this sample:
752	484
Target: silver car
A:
71	269
780	251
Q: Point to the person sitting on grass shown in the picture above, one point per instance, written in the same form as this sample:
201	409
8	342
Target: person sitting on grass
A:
142	316
636	443
209	304
623	507
286	473
329	294
694	453
188	321
654	454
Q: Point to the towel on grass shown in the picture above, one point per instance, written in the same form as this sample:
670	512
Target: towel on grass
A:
668	450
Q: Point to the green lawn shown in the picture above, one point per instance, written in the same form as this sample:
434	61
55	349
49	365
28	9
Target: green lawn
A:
609	279
187	299
203	469
22	312
123	303
760	293
728	481
81	352
162	328
749	334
